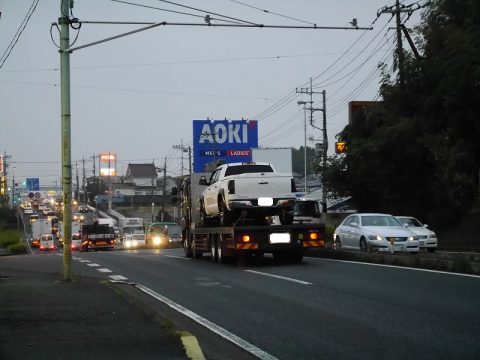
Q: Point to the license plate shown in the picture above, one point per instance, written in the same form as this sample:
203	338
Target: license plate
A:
398	247
101	243
280	238
422	243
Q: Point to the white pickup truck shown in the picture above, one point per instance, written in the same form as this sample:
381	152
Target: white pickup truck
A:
248	191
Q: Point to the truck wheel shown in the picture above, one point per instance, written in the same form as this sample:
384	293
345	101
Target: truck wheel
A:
221	258
186	249
213	249
196	254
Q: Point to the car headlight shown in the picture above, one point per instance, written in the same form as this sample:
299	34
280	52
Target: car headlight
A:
157	240
128	243
374	237
433	235
412	238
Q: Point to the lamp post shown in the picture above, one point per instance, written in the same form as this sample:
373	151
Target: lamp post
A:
305	143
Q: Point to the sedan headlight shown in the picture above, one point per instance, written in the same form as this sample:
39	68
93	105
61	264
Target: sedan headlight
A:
433	235
412	238
374	237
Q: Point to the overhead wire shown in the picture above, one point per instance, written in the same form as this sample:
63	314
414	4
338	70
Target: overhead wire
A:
18	33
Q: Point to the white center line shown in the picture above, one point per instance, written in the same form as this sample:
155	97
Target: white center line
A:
104	270
117	277
279	277
93	264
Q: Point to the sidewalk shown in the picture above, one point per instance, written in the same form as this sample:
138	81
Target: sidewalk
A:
44	317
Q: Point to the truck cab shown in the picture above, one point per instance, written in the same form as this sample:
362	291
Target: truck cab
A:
307	211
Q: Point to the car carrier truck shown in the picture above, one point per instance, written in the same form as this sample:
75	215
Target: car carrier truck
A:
286	242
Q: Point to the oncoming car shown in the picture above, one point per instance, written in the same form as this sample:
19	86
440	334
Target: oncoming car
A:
427	238
378	232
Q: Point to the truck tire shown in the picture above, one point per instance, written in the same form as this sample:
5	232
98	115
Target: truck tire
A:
196	254
187	249
213	247
221	258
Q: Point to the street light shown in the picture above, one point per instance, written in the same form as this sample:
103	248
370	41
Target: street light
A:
305	143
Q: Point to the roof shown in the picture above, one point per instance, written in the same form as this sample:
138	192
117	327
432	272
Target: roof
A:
141	170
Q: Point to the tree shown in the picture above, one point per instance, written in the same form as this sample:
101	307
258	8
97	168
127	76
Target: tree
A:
418	152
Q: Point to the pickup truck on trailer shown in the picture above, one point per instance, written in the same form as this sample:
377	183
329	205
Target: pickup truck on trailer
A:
248	190
241	238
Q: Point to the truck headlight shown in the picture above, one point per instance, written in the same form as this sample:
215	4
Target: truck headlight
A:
157	240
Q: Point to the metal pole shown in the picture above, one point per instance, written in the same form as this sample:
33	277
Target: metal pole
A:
305	148
325	148
164	188
66	137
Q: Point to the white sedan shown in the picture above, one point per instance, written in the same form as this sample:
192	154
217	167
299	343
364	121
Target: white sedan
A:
427	238
380	232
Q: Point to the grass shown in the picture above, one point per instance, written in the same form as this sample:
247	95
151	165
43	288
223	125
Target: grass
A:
11	240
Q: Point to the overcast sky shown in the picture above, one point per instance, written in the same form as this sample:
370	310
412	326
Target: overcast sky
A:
137	96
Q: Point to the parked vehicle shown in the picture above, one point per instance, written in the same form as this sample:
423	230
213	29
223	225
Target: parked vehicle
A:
46	242
242	238
427	238
248	190
379	232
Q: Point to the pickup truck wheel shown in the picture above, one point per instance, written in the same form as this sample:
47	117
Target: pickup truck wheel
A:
225	216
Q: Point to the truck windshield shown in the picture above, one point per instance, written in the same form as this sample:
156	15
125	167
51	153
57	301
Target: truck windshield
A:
244	169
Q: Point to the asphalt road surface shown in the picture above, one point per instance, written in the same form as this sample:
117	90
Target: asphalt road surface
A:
318	309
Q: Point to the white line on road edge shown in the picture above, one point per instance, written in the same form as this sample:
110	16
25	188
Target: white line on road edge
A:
279	277
93	264
178	257
104	270
401	267
118	277
252	349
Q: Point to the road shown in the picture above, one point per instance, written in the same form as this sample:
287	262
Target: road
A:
319	309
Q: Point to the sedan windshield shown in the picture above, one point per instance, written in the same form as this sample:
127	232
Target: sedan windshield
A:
410	222
379	220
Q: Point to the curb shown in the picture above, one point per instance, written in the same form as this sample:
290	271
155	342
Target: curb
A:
191	346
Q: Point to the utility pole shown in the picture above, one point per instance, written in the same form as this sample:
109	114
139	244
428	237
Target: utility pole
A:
64	21
78	182
397	10
164	187
184	149
83	182
309	91
153	190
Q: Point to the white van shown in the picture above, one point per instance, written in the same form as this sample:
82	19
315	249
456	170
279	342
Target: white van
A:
46	242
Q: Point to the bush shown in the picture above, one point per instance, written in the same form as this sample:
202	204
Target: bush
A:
18	248
9	237
8	218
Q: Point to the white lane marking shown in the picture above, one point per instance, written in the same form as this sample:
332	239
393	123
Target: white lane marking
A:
279	277
84	261
178	257
252	349
104	270
117	277
93	264
401	267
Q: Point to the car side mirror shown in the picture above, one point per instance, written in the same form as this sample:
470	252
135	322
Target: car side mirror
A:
354	224
425	225
406	225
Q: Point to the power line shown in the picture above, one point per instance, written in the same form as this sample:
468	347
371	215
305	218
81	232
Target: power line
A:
19	32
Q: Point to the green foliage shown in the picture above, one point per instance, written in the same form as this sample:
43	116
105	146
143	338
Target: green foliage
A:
298	163
18	248
8	219
9	237
418	152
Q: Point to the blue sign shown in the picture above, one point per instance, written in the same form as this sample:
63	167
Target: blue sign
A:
227	141
33	184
